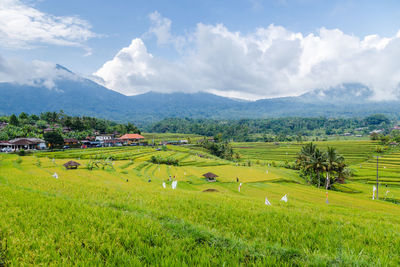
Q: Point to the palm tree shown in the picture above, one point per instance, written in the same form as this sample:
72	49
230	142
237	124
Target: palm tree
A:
317	163
332	163
341	170
304	157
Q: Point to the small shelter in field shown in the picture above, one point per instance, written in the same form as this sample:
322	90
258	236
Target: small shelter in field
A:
71	165
210	176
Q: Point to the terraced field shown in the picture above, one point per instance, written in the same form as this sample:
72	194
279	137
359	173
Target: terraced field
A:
115	216
354	151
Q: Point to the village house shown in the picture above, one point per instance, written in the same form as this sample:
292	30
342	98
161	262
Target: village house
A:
129	139
66	130
71	142
376	131
48	129
102	138
24	143
112	142
88	143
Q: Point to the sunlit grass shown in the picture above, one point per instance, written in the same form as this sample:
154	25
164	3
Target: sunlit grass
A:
116	217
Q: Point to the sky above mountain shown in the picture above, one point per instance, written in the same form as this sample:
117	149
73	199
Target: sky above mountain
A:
245	49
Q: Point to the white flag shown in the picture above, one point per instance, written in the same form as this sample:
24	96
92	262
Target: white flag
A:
284	198
266	171
54	160
240	186
373	192
267	202
55	175
164	185
174	184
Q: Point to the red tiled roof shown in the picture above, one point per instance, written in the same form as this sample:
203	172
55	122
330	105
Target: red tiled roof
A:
131	136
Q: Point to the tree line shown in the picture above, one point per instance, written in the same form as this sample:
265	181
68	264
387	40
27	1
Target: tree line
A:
272	129
25	125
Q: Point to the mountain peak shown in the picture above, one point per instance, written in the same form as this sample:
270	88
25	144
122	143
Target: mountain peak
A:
60	67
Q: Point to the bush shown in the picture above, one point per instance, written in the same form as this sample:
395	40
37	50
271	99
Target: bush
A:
161	160
21	152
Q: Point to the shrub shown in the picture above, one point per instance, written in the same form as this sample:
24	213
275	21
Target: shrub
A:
160	160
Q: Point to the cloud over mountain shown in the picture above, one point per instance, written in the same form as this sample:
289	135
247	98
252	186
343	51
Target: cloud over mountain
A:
267	62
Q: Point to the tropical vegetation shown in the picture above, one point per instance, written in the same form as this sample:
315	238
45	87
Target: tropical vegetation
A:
314	163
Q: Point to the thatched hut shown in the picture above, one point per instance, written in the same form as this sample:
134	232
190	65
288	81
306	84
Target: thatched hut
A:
210	176
71	165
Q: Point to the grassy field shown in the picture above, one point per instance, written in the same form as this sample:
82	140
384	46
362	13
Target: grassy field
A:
115	216
157	137
354	151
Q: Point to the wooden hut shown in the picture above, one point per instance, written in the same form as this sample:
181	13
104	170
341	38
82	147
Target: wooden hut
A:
210	176
71	165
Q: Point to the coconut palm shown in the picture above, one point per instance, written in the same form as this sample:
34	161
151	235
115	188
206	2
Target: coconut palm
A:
304	156
333	159
317	163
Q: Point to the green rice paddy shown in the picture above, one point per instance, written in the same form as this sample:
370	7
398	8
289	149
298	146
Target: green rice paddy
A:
115	216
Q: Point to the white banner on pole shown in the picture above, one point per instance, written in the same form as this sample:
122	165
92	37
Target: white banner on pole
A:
267	202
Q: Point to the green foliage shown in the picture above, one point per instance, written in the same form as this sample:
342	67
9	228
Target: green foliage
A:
270	130
100	164
377	119
81	127
21	152
156	159
55	139
313	163
223	150
14	120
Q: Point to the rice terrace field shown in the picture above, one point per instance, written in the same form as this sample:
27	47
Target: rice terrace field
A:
119	214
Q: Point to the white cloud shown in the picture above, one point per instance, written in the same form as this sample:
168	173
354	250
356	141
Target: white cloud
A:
23	26
161	29
268	62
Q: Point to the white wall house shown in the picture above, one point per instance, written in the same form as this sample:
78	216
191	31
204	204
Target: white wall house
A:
103	138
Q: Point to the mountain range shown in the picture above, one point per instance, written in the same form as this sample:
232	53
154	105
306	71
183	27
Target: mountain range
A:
76	95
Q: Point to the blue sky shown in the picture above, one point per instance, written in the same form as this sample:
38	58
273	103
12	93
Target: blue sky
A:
113	25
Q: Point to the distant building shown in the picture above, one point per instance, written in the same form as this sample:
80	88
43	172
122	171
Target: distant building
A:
24	143
70	141
131	138
102	138
66	130
112	142
48	129
376	131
